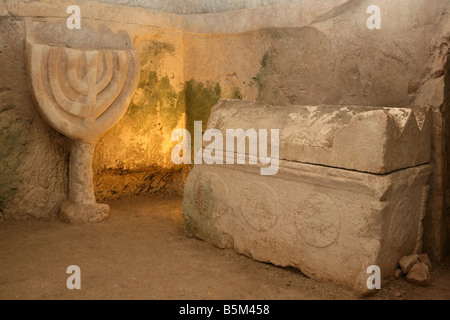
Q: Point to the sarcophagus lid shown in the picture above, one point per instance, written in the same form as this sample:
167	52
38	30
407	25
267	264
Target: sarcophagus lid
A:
376	140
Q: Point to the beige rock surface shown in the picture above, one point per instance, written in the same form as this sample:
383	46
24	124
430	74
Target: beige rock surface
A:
198	7
434	91
419	274
398	273
426	260
317	52
33	160
407	262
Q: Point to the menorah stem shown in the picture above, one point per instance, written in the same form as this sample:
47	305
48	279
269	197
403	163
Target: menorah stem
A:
81	207
81	188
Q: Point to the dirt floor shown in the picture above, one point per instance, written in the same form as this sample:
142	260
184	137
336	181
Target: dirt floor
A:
142	252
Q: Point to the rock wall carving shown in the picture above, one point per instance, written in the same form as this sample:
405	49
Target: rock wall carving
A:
82	94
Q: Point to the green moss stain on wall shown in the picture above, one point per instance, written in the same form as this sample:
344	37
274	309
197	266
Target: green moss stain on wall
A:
142	138
14	140
259	79
264	60
156	49
199	99
237	94
159	99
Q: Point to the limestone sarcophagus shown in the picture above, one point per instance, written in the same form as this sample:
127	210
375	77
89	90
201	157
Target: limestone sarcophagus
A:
350	191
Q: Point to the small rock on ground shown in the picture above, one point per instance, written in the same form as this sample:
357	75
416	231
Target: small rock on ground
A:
398	273
419	274
425	259
407	262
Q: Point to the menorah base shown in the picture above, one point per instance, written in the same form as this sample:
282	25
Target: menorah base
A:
75	213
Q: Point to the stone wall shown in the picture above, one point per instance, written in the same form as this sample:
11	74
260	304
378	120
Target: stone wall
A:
327	56
434	91
197	6
291	52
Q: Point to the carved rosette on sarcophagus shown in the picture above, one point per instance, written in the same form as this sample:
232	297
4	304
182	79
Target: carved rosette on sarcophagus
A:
82	93
349	194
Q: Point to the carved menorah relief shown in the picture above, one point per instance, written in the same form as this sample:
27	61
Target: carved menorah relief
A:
82	94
